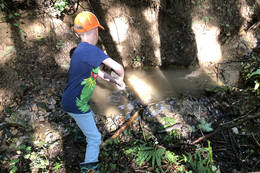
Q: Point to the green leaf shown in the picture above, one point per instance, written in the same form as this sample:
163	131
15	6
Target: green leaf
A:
206	19
28	149
15	160
21	31
153	159
169	156
10	16
16	24
257	84
257	72
204	126
26	156
57	166
2	5
159	154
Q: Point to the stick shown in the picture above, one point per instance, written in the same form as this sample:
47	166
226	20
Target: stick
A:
119	131
229	124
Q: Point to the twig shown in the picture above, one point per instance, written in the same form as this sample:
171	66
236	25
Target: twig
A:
256	165
229	124
255	140
141	126
119	131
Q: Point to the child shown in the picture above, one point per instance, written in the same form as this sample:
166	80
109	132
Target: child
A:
84	69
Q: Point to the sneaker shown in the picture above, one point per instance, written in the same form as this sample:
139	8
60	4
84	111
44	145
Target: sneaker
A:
89	167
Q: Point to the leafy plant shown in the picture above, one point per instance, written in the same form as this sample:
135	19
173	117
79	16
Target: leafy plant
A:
250	72
3	4
13	167
41	41
257	84
204	126
139	59
57	165
10	49
60	5
59	44
169	121
171	157
202	161
147	153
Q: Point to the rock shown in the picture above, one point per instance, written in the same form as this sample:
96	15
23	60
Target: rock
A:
54	149
1	108
41	118
235	130
1	133
44	132
14	131
51	107
186	111
130	107
19	120
110	125
121	107
35	108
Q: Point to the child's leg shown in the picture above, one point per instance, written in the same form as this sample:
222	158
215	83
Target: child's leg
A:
88	126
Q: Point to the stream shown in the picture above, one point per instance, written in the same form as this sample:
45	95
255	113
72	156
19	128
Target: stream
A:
149	87
165	93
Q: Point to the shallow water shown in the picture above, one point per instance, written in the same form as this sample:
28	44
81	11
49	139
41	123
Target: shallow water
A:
148	86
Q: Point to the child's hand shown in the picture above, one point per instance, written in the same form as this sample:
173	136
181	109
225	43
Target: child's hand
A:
120	84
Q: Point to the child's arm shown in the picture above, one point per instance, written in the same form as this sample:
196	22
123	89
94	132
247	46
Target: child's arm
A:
106	76
118	68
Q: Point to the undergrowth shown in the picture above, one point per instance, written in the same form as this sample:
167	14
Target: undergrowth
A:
151	156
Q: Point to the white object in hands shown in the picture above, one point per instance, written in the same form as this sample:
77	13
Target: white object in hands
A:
120	85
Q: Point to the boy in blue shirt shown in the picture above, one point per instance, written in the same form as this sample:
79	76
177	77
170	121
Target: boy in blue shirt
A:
84	69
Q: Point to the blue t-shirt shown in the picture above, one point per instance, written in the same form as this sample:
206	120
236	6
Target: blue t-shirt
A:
84	67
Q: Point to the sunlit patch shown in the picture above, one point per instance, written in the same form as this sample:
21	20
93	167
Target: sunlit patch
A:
119	29
248	37
104	96
36	30
141	87
111	111
208	47
157	53
5	96
246	11
152	19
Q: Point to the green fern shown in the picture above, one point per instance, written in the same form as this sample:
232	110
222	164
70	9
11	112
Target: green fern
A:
202	164
171	157
147	154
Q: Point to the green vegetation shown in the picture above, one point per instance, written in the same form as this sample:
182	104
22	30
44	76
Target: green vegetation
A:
60	5
202	161
251	73
204	126
151	154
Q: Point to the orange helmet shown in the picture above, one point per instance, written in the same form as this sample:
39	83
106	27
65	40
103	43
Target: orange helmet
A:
85	21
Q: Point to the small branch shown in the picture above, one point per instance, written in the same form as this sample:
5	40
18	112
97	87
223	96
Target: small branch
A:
255	139
227	125
119	131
